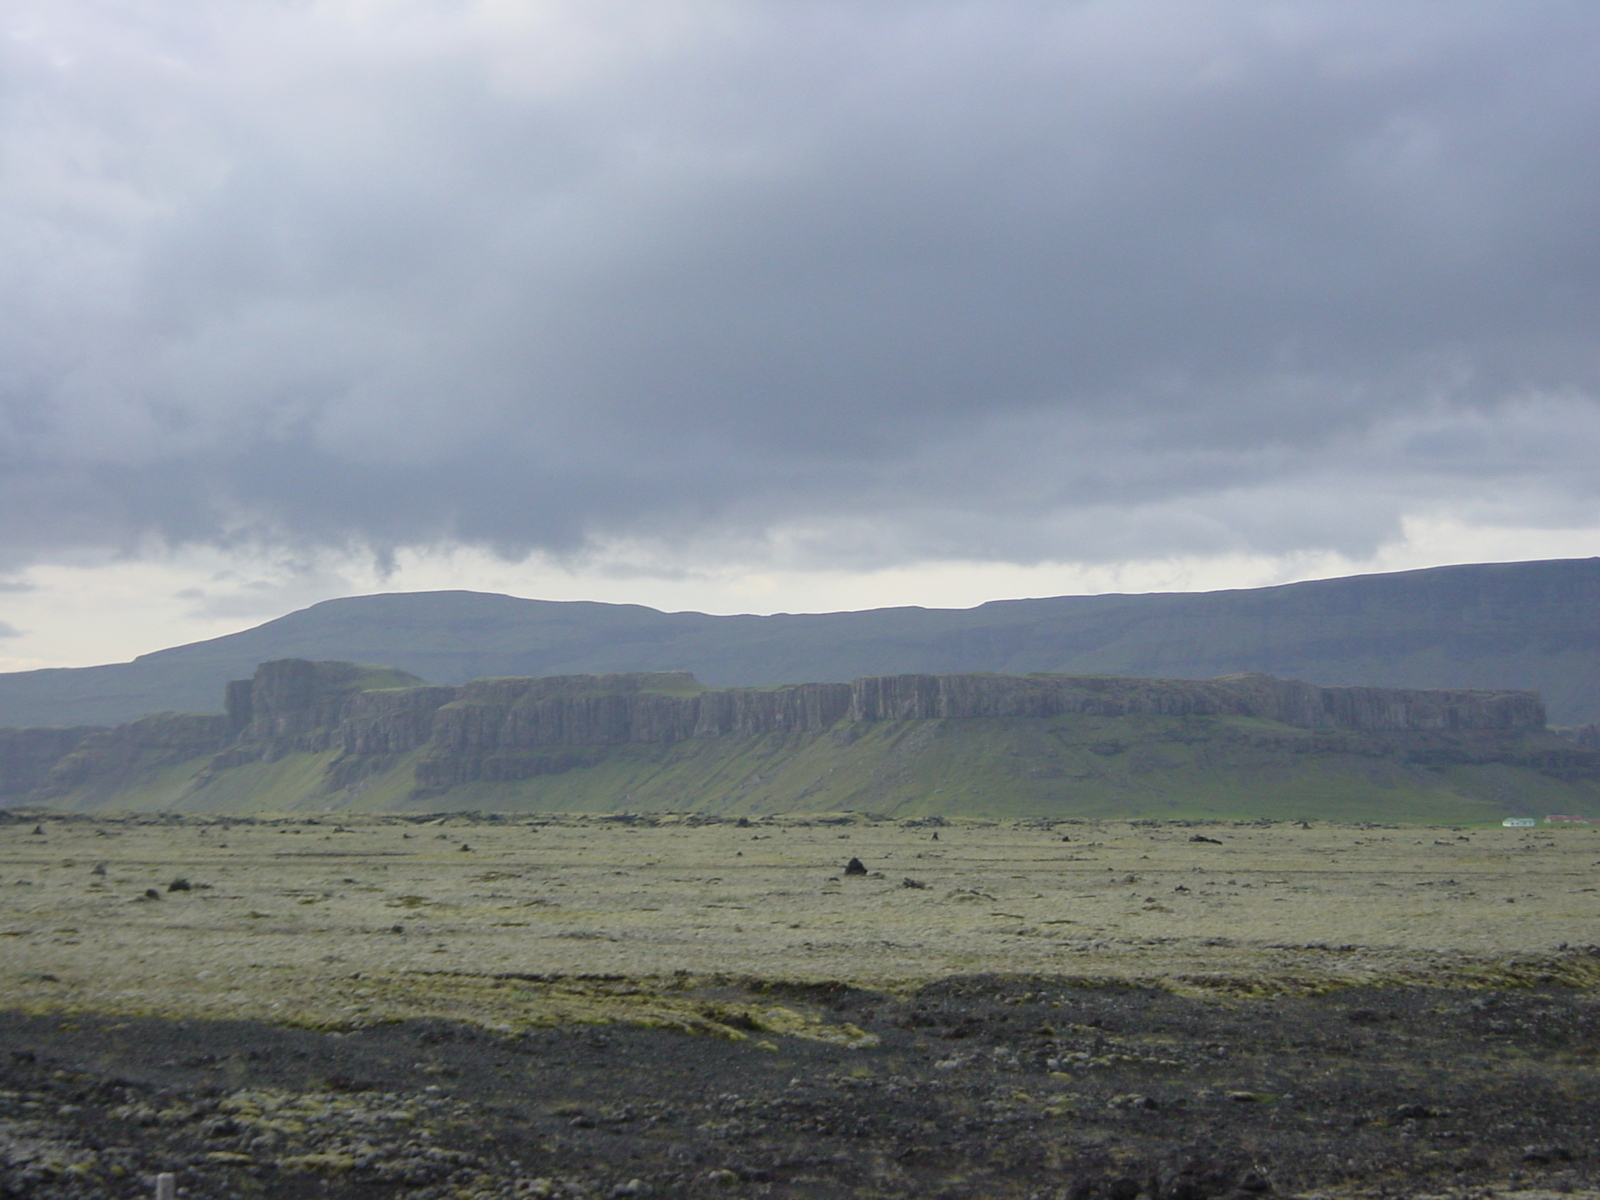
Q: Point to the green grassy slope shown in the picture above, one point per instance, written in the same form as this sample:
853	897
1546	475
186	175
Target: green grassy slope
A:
1072	766
151	787
1065	767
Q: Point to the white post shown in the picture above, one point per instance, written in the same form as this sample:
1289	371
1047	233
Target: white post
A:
166	1186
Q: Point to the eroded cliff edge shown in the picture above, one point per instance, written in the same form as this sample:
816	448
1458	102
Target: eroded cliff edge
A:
344	728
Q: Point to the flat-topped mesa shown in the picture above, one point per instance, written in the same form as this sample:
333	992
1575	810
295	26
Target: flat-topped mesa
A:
295	704
1386	710
508	729
569	710
491	715
613	710
366	719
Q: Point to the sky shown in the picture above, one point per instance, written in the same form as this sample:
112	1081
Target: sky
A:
764	306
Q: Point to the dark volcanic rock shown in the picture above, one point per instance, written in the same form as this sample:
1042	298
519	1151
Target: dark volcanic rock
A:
1121	1098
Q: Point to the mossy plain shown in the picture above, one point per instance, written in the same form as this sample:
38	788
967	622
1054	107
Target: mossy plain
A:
356	919
555	1005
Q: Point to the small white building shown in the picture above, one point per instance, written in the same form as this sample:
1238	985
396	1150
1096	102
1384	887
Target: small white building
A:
1519	822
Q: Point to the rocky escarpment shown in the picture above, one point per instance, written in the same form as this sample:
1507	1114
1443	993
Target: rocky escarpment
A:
292	704
27	756
107	760
1371	710
289	705
371	718
505	729
609	710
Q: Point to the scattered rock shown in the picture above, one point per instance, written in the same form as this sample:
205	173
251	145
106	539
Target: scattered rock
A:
180	884
302	1113
1200	837
1134	1100
1545	1155
466	847
1413	1112
967	895
855	867
151	894
1122	1188
98	869
909	882
38	831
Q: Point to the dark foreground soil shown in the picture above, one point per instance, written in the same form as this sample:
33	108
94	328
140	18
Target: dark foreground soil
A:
979	1087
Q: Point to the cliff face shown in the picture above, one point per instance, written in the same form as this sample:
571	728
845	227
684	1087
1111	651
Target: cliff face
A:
521	728
504	729
108	759
292	704
589	711
1371	710
391	721
28	755
612	710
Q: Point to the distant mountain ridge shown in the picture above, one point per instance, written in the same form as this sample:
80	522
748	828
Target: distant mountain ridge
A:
1532	625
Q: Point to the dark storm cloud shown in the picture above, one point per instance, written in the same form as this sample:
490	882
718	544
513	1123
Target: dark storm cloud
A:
876	281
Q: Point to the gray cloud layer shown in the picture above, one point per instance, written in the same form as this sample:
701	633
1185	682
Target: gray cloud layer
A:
883	281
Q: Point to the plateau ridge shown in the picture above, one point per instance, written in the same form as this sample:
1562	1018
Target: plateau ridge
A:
335	735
